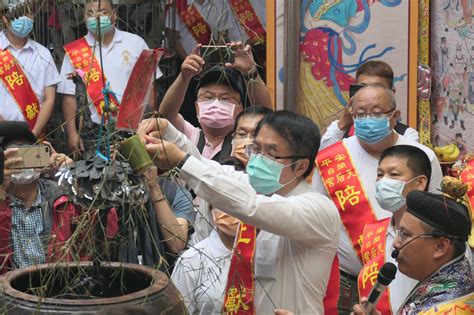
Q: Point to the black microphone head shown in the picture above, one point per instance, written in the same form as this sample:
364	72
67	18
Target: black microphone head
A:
395	253
387	273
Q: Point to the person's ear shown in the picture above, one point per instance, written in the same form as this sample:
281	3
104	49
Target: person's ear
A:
421	183
197	108
301	167
442	247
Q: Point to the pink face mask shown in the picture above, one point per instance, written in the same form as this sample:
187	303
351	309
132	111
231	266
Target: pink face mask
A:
216	114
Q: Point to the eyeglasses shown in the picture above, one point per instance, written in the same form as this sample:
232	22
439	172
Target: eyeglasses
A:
255	149
211	97
373	115
403	236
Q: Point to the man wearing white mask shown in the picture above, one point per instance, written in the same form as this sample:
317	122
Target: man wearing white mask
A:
348	171
402	169
27	71
117	52
33	209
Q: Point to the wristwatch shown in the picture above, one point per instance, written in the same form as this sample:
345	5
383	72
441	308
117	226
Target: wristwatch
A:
181	163
252	74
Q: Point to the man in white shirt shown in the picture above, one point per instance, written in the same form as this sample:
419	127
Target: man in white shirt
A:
299	229
374	71
120	52
402	169
375	115
39	71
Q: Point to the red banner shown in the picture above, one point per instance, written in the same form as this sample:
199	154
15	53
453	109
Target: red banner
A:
194	21
249	20
342	182
240	289
139	85
17	84
82	58
467	176
373	257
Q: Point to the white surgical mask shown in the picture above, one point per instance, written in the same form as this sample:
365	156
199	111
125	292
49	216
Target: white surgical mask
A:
26	176
388	193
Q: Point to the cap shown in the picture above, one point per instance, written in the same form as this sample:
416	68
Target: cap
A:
440	212
15	130
226	76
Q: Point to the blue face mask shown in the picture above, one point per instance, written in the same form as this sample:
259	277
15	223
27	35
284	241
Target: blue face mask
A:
105	25
264	174
372	130
21	27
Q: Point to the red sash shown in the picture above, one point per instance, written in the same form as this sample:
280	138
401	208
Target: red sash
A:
138	86
17	84
467	176
373	257
240	289
343	185
249	20
82	57
194	21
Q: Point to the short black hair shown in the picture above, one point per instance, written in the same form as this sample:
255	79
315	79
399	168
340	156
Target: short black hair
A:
377	68
252	111
301	133
416	159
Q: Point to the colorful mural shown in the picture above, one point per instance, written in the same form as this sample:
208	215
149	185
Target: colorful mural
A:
338	36
452	62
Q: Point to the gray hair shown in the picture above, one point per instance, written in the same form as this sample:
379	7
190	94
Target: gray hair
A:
389	94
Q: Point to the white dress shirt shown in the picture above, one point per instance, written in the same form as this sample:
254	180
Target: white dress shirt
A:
298	236
333	134
220	18
119	58
39	68
366	165
200	274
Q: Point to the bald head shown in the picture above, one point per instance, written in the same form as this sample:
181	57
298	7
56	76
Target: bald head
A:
374	98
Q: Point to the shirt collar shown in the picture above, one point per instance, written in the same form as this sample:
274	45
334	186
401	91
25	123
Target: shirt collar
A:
37	203
301	188
118	37
5	43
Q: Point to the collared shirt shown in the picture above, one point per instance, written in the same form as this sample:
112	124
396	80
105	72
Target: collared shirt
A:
366	165
220	18
298	231
27	227
40	69
209	151
200	275
119	57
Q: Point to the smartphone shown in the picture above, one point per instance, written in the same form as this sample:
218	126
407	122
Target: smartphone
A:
354	88
34	156
217	54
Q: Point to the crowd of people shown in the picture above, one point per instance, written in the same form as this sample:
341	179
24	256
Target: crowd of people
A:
263	214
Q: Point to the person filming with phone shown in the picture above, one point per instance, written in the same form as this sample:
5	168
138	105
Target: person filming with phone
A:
32	209
228	76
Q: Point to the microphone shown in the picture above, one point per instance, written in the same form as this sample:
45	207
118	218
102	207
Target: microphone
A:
385	276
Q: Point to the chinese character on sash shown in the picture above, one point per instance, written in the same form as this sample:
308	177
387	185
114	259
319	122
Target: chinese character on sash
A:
348	195
14	79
